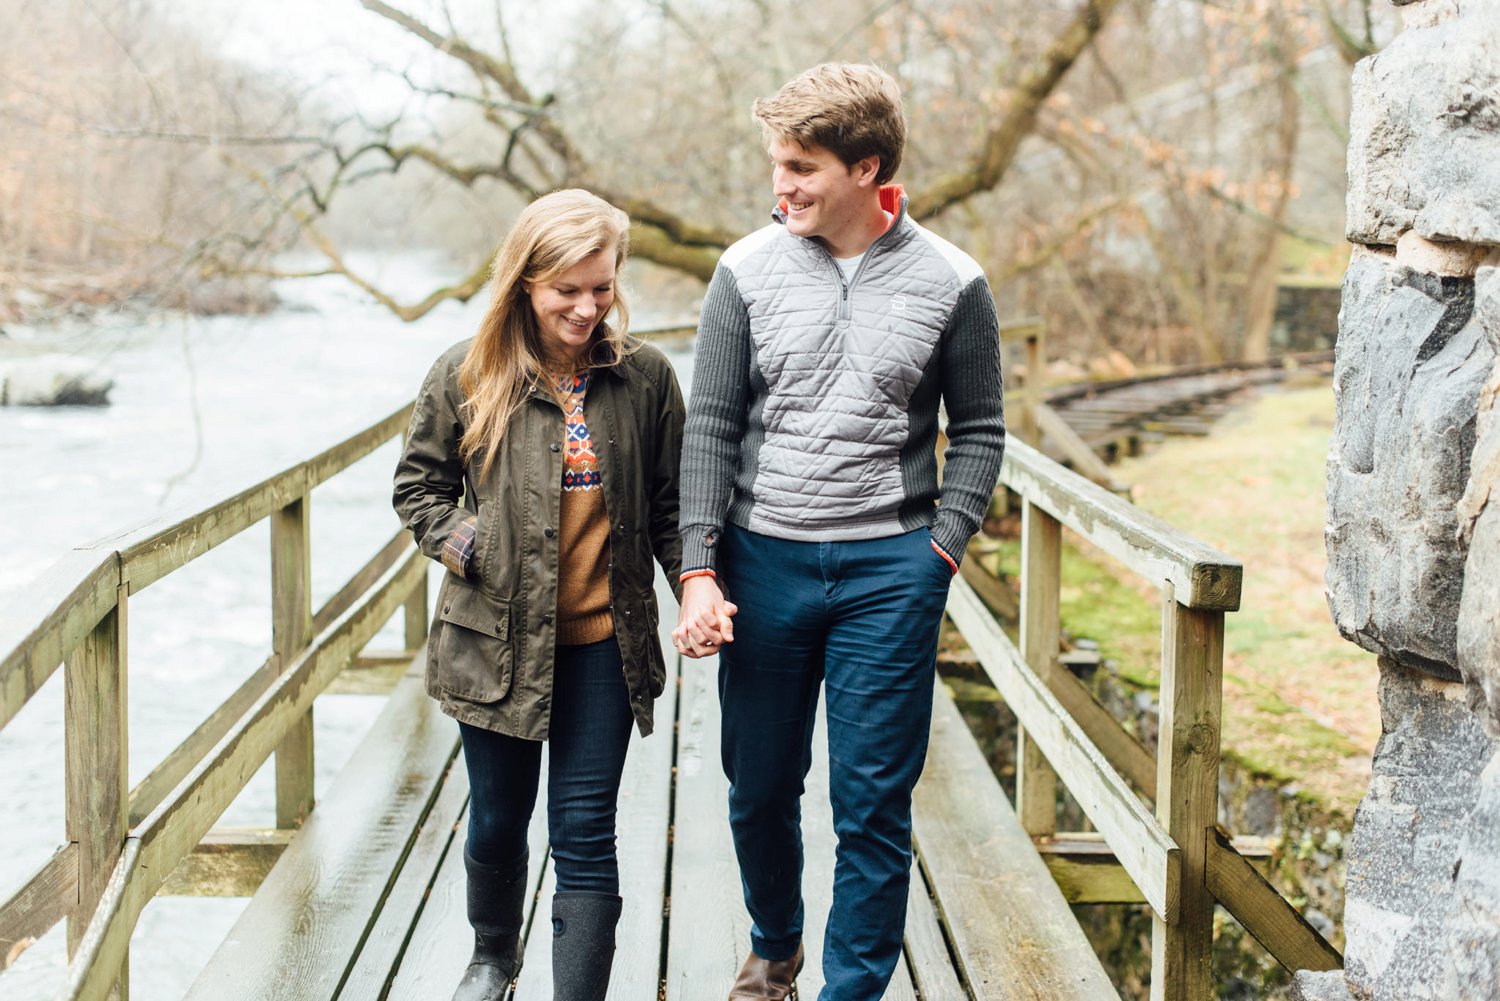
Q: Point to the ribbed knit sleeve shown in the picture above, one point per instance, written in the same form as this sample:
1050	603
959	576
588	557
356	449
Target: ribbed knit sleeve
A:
716	420
976	418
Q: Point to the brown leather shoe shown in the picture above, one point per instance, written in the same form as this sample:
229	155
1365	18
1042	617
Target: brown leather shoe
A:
767	979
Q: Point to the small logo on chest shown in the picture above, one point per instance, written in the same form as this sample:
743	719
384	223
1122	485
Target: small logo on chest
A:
898	303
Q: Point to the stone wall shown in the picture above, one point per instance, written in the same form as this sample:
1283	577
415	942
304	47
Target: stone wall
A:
1413	528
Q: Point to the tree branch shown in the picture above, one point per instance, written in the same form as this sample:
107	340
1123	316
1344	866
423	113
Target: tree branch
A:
1036	83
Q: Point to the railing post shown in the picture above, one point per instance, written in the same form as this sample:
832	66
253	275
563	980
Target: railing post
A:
1187	792
95	724
291	631
1034	388
1041	629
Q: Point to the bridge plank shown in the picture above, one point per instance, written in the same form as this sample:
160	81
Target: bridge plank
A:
1144	848
386	943
926	949
709	932
441	940
300	933
642	835
1014	935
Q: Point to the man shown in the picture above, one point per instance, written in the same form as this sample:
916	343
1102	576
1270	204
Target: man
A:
810	497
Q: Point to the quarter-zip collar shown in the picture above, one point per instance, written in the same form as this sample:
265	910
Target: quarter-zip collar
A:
892	200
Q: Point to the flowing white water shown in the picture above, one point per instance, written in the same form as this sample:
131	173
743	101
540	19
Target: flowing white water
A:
199	405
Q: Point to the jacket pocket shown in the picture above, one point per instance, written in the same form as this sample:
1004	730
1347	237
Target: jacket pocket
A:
474	656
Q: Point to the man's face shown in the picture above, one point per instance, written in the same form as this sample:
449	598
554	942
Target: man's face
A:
824	198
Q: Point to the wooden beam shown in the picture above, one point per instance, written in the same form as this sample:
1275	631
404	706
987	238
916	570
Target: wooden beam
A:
97	761
177	765
370	675
1119	747
291	629
1054	428
1087	871
227	863
1202	576
43	901
994	592
1144	848
49	619
1265	913
1187	794
1041	636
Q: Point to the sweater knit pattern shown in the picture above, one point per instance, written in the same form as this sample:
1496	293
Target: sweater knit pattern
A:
583	610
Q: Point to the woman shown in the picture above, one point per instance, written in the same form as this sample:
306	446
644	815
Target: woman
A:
541	470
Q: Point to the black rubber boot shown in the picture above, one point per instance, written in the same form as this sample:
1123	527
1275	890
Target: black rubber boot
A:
497	910
583	944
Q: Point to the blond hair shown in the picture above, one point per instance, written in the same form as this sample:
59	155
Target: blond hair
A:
850	109
551	235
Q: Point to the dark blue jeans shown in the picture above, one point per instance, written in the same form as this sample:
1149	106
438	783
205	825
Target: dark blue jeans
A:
861	619
589	734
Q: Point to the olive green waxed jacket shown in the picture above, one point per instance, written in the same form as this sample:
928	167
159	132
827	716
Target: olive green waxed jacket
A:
490	653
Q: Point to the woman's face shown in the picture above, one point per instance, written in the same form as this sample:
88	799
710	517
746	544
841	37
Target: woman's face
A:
569	306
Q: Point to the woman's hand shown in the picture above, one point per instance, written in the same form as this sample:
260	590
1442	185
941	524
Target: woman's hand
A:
706	620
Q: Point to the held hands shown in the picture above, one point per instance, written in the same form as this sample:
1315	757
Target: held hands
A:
706	620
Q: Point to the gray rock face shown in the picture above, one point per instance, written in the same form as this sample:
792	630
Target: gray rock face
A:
1472	931
1407	839
1425	123
1411	361
1479	523
1309	986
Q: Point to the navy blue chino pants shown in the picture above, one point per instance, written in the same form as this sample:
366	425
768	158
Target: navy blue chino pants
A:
589	735
860	619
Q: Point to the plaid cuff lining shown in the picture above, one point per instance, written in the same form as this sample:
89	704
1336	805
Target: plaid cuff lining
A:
458	548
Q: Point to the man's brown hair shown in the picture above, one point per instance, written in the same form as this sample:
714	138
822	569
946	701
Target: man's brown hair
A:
850	109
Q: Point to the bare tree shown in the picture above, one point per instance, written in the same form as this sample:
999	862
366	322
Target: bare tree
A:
538	141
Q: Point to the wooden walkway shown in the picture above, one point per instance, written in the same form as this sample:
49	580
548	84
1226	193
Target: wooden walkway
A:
369	900
359	896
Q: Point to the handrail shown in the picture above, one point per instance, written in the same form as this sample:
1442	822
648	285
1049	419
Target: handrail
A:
122	843
1172	853
1202	576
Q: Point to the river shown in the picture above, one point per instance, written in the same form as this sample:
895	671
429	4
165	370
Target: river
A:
200	405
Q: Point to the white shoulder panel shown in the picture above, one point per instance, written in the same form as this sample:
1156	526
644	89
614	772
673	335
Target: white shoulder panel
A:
962	264
748	245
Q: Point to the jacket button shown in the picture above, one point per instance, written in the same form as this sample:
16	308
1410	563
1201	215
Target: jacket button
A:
445	609
556	447
548	532
621	527
498	627
547	619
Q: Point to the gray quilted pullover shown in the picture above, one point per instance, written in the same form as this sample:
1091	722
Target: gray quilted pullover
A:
814	411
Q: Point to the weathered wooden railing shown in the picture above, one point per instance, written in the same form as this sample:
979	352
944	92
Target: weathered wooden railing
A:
1176	857
123	843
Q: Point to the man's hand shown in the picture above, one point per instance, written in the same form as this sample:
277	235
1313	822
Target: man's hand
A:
706	620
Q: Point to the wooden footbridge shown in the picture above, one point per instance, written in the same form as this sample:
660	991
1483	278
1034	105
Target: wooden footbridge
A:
359	894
